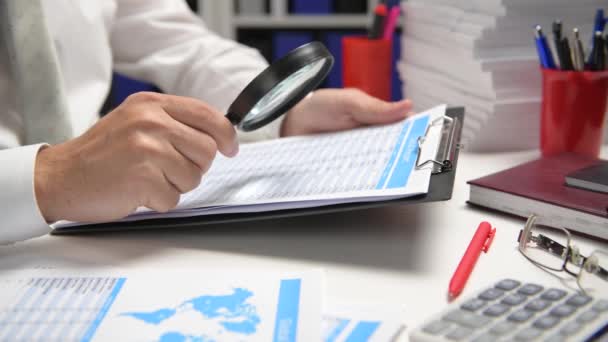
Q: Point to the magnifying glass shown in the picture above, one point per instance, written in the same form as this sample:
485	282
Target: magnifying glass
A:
280	87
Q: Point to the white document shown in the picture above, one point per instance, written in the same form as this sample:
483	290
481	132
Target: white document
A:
358	324
196	305
367	164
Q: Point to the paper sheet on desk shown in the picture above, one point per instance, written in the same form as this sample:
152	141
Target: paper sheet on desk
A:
367	164
359	324
195	305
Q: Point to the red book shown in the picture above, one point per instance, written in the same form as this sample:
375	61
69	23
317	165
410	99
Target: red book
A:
539	188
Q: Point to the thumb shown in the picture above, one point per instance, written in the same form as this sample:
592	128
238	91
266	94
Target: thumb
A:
373	111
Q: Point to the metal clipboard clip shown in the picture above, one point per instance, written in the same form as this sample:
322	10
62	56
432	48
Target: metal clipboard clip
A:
448	145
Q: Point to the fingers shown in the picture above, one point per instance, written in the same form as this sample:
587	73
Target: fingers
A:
182	173
197	147
174	142
203	118
160	194
163	174
182	156
369	110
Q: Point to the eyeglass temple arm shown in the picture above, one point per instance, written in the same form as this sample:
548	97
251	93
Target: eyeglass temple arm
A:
602	273
547	244
550	245
521	232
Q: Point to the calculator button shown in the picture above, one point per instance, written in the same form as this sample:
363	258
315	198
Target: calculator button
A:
491	294
473	304
600	305
537	305
571	328
485	338
466	319
587	316
503	328
520	316
556	338
459	334
563	310
514	299
508	284
553	294
436	327
530	289
496	310
546	322
578	300
527	334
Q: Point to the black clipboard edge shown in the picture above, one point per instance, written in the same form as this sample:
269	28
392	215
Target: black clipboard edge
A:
440	189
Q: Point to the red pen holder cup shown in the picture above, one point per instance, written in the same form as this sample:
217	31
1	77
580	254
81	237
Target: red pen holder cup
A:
367	65
573	112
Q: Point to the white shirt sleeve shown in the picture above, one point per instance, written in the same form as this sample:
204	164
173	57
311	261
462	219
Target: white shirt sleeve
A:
163	42
19	212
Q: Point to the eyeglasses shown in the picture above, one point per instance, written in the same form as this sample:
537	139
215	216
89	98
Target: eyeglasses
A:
557	253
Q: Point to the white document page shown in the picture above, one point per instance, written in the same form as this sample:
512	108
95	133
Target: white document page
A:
366	164
359	324
196	305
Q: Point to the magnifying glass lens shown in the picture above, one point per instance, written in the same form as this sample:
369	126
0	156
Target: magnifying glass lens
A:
280	87
284	90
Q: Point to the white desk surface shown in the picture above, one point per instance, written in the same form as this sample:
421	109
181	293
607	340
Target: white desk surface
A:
396	256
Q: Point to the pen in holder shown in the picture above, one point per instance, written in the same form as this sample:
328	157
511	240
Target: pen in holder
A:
367	65
573	111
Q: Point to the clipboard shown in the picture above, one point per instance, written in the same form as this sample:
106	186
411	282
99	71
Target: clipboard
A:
440	189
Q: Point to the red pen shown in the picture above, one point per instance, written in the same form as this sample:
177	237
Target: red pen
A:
481	242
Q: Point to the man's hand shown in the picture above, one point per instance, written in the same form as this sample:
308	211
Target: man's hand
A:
331	110
146	153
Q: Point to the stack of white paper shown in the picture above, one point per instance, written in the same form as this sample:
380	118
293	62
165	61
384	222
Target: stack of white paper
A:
481	54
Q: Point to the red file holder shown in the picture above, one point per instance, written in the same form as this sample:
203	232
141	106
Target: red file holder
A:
367	65
573	112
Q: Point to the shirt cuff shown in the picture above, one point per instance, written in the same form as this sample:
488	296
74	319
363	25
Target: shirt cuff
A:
19	212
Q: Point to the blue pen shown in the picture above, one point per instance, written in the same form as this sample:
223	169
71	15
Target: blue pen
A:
544	52
600	21
599	24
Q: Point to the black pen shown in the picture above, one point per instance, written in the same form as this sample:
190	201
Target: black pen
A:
377	29
557	40
606	51
596	58
566	61
578	52
557	30
601	58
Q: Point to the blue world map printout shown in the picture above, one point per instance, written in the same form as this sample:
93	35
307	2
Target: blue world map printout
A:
168	307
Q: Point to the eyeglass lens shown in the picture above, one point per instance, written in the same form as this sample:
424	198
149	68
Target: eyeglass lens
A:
593	278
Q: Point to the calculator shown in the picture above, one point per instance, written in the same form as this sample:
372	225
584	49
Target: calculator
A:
516	311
